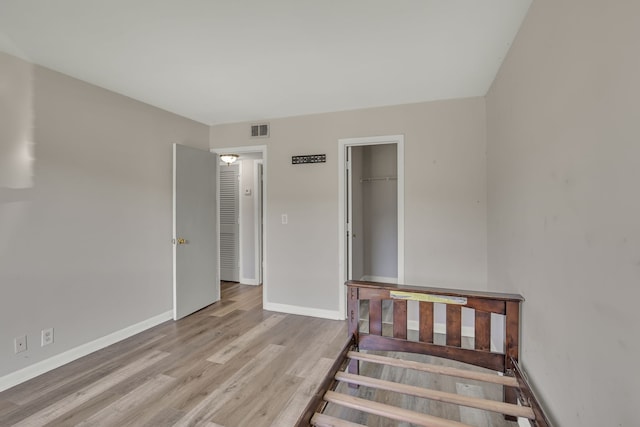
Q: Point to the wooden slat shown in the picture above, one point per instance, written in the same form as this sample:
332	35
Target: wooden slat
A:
389	411
440	396
400	319
322	420
375	317
434	369
425	328
485	359
454	325
483	331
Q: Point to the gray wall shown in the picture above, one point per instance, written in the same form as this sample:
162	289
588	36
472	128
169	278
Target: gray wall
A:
564	211
86	223
445	210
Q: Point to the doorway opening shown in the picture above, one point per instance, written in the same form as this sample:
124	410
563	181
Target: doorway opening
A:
249	189
229	221
371	210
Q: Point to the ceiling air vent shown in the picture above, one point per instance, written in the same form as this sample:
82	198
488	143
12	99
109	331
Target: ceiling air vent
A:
260	130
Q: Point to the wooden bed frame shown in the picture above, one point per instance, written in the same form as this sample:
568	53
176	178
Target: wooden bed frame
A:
518	397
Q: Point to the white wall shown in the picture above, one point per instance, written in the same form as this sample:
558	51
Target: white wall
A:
564	211
86	223
445	193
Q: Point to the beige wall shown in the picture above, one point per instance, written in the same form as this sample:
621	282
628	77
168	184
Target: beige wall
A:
445	210
564	211
86	225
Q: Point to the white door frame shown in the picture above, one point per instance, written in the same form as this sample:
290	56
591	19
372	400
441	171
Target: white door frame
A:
342	202
258	224
254	149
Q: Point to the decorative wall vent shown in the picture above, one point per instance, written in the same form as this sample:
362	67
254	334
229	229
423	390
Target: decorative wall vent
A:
309	158
260	130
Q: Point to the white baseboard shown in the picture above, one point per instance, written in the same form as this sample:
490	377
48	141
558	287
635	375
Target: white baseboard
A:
441	328
379	279
303	311
58	360
245	281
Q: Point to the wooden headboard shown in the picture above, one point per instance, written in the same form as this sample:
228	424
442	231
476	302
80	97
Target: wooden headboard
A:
483	303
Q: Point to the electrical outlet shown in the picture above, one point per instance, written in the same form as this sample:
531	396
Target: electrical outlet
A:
20	344
46	337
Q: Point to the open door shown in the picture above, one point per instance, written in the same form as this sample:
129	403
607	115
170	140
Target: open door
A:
195	240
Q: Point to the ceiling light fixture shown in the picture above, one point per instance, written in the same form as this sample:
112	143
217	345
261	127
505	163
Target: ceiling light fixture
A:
229	158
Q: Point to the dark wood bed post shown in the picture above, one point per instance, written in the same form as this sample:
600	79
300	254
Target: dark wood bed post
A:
353	313
512	347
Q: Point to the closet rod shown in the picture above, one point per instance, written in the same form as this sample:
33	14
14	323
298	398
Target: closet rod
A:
379	178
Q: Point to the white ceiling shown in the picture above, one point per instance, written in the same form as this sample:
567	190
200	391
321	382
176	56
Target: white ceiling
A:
222	61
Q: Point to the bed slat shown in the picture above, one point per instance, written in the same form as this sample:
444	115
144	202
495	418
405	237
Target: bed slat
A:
440	396
389	411
434	369
400	319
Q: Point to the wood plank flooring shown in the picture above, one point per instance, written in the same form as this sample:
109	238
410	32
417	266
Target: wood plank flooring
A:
231	364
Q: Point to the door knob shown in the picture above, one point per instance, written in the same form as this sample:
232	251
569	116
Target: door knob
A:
182	241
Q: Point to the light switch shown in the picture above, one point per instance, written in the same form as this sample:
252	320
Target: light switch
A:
285	219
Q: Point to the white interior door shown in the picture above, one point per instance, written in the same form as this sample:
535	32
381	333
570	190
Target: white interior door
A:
195	241
229	224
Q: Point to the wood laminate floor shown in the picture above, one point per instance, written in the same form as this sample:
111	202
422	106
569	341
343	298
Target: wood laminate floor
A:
231	364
